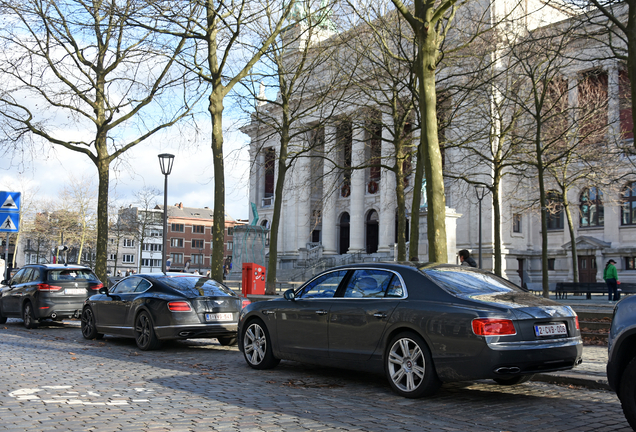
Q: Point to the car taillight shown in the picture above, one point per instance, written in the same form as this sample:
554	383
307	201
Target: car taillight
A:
98	286
493	327
245	302
179	306
47	287
576	321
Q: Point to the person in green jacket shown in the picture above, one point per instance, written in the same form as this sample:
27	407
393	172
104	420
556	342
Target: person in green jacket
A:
610	275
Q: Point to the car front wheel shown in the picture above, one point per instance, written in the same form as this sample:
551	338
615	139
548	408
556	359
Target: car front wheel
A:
89	329
257	346
28	316
627	392
409	366
145	333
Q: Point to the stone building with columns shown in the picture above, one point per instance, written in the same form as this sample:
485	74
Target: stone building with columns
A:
352	216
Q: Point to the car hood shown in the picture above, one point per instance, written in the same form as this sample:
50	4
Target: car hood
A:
524	305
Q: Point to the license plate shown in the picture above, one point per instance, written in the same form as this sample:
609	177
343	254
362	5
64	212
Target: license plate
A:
74	291
219	317
550	330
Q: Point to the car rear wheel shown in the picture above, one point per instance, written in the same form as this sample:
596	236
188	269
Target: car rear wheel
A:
627	392
519	379
257	346
89	329
28	316
145	333
227	341
409	366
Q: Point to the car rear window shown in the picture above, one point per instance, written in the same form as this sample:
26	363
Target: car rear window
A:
462	282
71	274
197	286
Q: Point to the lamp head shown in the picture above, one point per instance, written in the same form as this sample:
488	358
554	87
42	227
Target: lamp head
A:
165	162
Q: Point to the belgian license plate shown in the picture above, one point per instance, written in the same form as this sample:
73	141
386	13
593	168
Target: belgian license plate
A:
219	317
550	330
74	291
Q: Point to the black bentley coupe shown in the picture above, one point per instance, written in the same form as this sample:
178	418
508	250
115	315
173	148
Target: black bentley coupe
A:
156	307
419	325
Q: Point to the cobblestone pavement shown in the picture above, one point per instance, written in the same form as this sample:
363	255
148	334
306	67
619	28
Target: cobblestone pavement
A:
51	379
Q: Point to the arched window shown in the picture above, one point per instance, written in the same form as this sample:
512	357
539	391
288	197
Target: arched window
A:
555	210
592	211
628	199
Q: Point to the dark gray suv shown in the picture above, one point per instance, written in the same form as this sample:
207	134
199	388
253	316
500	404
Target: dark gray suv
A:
40	291
621	363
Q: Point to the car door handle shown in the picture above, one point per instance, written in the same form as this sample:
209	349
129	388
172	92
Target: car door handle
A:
379	315
267	312
321	312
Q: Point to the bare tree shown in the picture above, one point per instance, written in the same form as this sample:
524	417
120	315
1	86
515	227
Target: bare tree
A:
224	46
71	67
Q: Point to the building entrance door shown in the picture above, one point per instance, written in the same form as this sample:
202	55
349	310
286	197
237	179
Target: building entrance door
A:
587	268
373	229
343	244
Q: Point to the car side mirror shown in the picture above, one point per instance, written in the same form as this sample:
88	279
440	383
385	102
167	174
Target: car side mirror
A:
4	282
289	295
103	290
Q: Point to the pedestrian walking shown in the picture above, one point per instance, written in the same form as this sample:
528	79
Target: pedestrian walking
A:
466	259
610	276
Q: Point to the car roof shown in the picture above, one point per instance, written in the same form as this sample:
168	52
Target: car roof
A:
58	266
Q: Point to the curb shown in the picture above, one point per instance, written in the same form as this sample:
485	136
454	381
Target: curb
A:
587	381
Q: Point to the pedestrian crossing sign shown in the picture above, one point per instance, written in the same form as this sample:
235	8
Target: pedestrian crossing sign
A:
9	222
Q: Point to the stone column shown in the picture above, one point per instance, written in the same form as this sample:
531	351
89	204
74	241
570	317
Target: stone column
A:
303	198
330	194
356	239
388	200
613	104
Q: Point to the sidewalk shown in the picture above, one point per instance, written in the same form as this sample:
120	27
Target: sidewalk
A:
591	373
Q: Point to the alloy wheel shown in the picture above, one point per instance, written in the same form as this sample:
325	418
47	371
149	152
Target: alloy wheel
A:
406	364
254	344
142	329
88	323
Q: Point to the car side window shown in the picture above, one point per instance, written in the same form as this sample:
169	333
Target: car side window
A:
18	277
395	288
35	276
26	276
126	286
143	286
369	284
324	286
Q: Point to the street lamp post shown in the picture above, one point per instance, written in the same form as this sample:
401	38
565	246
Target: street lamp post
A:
481	193
165	162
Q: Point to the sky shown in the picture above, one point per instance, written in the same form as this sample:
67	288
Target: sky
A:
190	183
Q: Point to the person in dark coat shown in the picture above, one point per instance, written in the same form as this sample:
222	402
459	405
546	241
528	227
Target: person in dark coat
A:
466	259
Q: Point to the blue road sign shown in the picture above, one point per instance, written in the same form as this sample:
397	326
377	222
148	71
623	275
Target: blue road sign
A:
10	201
9	221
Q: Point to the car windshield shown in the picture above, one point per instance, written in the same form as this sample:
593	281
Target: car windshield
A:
71	274
469	283
196	286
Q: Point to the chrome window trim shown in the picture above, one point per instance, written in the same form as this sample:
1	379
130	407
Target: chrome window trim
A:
404	296
530	345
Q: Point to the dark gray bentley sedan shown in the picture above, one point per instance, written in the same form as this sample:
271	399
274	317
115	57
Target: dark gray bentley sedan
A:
419	325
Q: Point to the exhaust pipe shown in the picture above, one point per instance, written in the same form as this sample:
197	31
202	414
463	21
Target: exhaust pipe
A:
53	315
185	334
508	370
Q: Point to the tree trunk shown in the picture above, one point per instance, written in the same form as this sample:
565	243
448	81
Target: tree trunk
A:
631	55
544	217
278	205
400	202
102	222
416	201
432	157
496	210
218	229
568	215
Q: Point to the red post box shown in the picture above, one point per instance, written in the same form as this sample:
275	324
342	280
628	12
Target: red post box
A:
253	279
